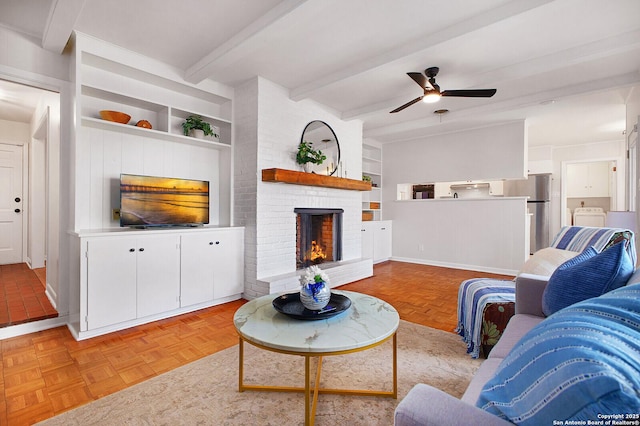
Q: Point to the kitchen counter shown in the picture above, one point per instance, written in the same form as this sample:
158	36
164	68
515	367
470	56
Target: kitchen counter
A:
497	197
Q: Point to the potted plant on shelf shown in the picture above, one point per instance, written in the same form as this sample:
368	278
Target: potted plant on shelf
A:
307	155
366	178
195	126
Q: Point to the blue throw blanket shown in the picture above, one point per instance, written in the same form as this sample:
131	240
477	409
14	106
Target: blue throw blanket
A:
475	294
473	297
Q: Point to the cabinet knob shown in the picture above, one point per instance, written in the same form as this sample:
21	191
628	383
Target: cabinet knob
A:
217	242
210	243
132	250
17	199
383	229
17	210
141	249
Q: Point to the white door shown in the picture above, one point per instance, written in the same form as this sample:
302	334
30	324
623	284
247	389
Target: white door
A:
10	204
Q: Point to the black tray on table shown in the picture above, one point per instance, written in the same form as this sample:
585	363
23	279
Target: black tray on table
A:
290	305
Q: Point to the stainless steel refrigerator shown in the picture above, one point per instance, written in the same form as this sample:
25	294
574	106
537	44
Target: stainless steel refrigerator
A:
538	189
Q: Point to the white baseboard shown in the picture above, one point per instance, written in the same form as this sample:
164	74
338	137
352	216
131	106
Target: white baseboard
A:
478	268
32	327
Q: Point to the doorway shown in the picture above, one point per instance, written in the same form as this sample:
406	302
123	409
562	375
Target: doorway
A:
31	130
590	189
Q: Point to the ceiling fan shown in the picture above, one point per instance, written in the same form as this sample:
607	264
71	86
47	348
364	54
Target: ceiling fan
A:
432	92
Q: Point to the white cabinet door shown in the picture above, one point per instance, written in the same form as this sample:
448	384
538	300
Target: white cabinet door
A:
376	240
111	278
577	180
382	241
367	231
196	269
158	274
599	179
228	262
212	265
588	179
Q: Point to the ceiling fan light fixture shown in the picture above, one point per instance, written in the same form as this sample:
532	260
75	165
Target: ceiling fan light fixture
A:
431	97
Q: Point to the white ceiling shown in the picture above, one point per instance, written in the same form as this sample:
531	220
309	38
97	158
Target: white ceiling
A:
568	66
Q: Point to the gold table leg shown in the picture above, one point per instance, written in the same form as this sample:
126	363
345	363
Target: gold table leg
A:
311	405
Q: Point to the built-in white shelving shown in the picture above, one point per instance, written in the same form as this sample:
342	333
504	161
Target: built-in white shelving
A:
372	167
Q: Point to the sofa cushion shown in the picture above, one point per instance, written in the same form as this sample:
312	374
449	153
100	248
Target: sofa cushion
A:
635	278
517	327
486	371
579	363
545	261
587	275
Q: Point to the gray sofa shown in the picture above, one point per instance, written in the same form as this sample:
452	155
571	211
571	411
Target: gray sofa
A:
426	405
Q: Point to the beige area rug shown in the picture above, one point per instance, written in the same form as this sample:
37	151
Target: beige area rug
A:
205	392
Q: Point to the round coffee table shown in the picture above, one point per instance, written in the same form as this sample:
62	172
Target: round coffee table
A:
367	323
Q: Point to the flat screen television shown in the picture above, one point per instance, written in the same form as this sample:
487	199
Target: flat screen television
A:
163	201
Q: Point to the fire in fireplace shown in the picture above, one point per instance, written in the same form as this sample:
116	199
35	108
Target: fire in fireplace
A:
318	236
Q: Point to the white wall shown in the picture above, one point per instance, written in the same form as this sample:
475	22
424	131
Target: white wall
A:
22	57
482	235
14	133
46	139
265	208
103	155
488	153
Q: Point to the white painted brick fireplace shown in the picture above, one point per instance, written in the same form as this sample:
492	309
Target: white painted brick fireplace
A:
268	129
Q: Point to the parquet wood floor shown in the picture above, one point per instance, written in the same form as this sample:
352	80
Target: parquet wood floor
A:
22	295
43	374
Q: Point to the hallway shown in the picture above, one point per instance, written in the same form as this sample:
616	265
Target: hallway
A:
22	297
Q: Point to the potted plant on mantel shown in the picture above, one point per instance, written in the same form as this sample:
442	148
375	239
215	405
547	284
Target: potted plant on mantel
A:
196	127
307	155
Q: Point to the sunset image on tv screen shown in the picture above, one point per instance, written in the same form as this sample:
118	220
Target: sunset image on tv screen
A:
150	200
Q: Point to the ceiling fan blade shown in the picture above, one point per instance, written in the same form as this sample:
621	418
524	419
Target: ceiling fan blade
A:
470	93
419	78
408	104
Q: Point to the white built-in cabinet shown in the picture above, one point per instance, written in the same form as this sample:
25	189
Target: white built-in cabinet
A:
132	277
128	277
588	179
377	240
210	269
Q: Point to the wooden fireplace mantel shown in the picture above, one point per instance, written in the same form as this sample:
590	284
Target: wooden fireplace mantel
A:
312	179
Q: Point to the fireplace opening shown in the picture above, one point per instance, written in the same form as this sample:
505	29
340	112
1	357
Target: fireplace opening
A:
318	236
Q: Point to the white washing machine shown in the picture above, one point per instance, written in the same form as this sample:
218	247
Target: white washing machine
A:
589	216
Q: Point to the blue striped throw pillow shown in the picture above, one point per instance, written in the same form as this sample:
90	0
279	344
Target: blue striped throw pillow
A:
582	362
587	275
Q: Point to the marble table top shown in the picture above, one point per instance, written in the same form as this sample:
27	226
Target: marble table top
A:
369	320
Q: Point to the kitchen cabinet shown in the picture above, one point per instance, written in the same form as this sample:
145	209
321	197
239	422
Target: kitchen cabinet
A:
588	179
377	240
212	266
131	278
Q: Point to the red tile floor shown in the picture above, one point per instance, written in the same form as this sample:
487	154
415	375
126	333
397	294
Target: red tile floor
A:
22	297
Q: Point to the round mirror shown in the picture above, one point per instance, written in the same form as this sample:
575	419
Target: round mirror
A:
323	138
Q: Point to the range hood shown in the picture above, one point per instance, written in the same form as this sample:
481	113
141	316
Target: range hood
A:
469	185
